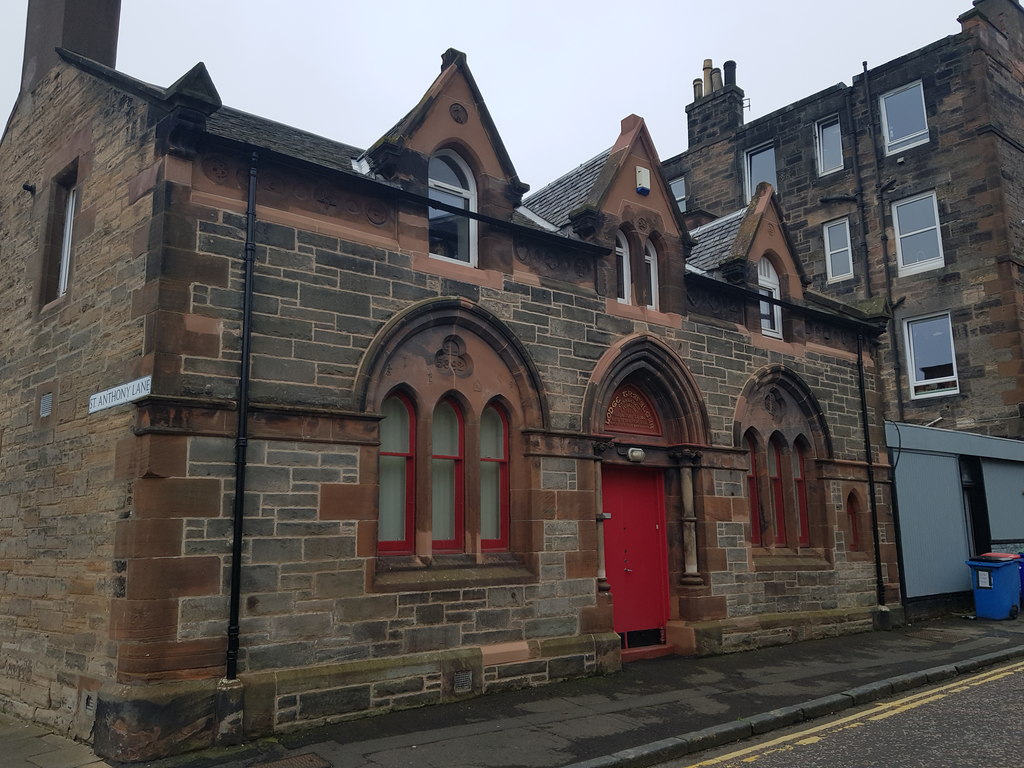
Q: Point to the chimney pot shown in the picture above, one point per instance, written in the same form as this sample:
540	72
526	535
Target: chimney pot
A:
698	88
730	72
707	76
716	79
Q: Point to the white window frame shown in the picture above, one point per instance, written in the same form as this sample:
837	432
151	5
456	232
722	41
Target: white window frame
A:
910	140
622	257
819	144
768	284
928	264
651	268
470	195
748	156
67	239
916	385
844	222
680	197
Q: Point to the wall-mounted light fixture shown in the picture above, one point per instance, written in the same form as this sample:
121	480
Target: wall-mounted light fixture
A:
636	455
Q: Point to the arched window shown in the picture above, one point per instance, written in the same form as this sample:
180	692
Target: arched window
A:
452	236
768	285
800	486
397	476
447	476
651	275
622	276
753	493
494	484
778	494
853	522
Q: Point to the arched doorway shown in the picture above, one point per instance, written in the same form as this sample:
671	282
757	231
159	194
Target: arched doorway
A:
633	505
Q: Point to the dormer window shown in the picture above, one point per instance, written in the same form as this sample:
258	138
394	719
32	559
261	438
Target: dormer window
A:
768	285
452	236
651	275
622	277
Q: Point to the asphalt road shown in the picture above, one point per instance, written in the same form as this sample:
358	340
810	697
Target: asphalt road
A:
973	722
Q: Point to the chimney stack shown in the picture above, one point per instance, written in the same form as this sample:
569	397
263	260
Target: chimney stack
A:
717	108
87	27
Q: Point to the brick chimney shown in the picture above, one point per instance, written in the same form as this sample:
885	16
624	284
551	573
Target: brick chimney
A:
717	108
87	27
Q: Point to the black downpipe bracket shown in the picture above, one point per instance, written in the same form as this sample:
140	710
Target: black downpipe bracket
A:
872	501
242	439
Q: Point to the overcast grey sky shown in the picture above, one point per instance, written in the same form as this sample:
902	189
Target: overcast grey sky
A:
557	75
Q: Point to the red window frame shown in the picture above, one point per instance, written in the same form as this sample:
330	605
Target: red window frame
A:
800	483
459	469
500	543
405	546
778	497
753	494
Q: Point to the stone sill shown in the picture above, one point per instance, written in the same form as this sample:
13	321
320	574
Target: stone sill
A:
810	560
411	574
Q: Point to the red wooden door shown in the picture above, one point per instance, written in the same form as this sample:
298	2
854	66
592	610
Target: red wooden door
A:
635	551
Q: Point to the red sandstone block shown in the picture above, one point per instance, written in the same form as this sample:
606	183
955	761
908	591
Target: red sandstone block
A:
155	537
581	565
143	619
170	660
348	501
177	497
166	577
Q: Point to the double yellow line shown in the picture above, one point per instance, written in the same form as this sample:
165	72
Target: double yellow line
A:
877	712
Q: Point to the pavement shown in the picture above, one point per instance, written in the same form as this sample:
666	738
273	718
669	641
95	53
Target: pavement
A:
654	710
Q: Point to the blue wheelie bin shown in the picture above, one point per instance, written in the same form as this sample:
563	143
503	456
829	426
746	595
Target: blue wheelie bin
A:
997	585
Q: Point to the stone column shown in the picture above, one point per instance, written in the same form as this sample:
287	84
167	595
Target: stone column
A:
688	516
602	572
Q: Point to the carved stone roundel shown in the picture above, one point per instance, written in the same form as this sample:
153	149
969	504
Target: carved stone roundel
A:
458	113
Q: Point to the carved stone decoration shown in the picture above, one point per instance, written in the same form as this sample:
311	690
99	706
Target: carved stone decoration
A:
376	212
549	262
631	411
272	183
452	357
775	404
326	199
216	169
458	113
643	225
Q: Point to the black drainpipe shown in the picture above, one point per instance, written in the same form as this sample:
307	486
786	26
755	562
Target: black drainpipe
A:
242	440
859	193
879	579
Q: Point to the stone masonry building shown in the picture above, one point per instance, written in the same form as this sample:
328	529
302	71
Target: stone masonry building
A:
295	431
903	195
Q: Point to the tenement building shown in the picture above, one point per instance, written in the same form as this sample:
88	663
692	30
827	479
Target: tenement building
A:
295	431
903	194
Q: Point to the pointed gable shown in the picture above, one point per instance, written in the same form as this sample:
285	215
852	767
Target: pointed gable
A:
730	247
450	115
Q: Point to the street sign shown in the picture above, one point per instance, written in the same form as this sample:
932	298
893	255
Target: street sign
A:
122	393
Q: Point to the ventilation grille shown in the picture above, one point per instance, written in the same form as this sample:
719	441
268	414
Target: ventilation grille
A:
46	405
462	682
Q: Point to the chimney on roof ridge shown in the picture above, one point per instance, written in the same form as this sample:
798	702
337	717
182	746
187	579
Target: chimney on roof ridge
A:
87	27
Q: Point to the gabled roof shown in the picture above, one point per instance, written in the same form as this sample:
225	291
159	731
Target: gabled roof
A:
555	201
715	241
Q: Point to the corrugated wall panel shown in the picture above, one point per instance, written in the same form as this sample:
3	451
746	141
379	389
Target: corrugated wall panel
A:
933	527
1004	495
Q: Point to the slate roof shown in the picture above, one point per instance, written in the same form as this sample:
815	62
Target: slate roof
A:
714	241
554	202
229	123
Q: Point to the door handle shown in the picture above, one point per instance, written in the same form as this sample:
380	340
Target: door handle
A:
627	570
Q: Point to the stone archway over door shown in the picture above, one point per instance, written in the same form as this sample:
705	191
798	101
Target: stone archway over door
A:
633	502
